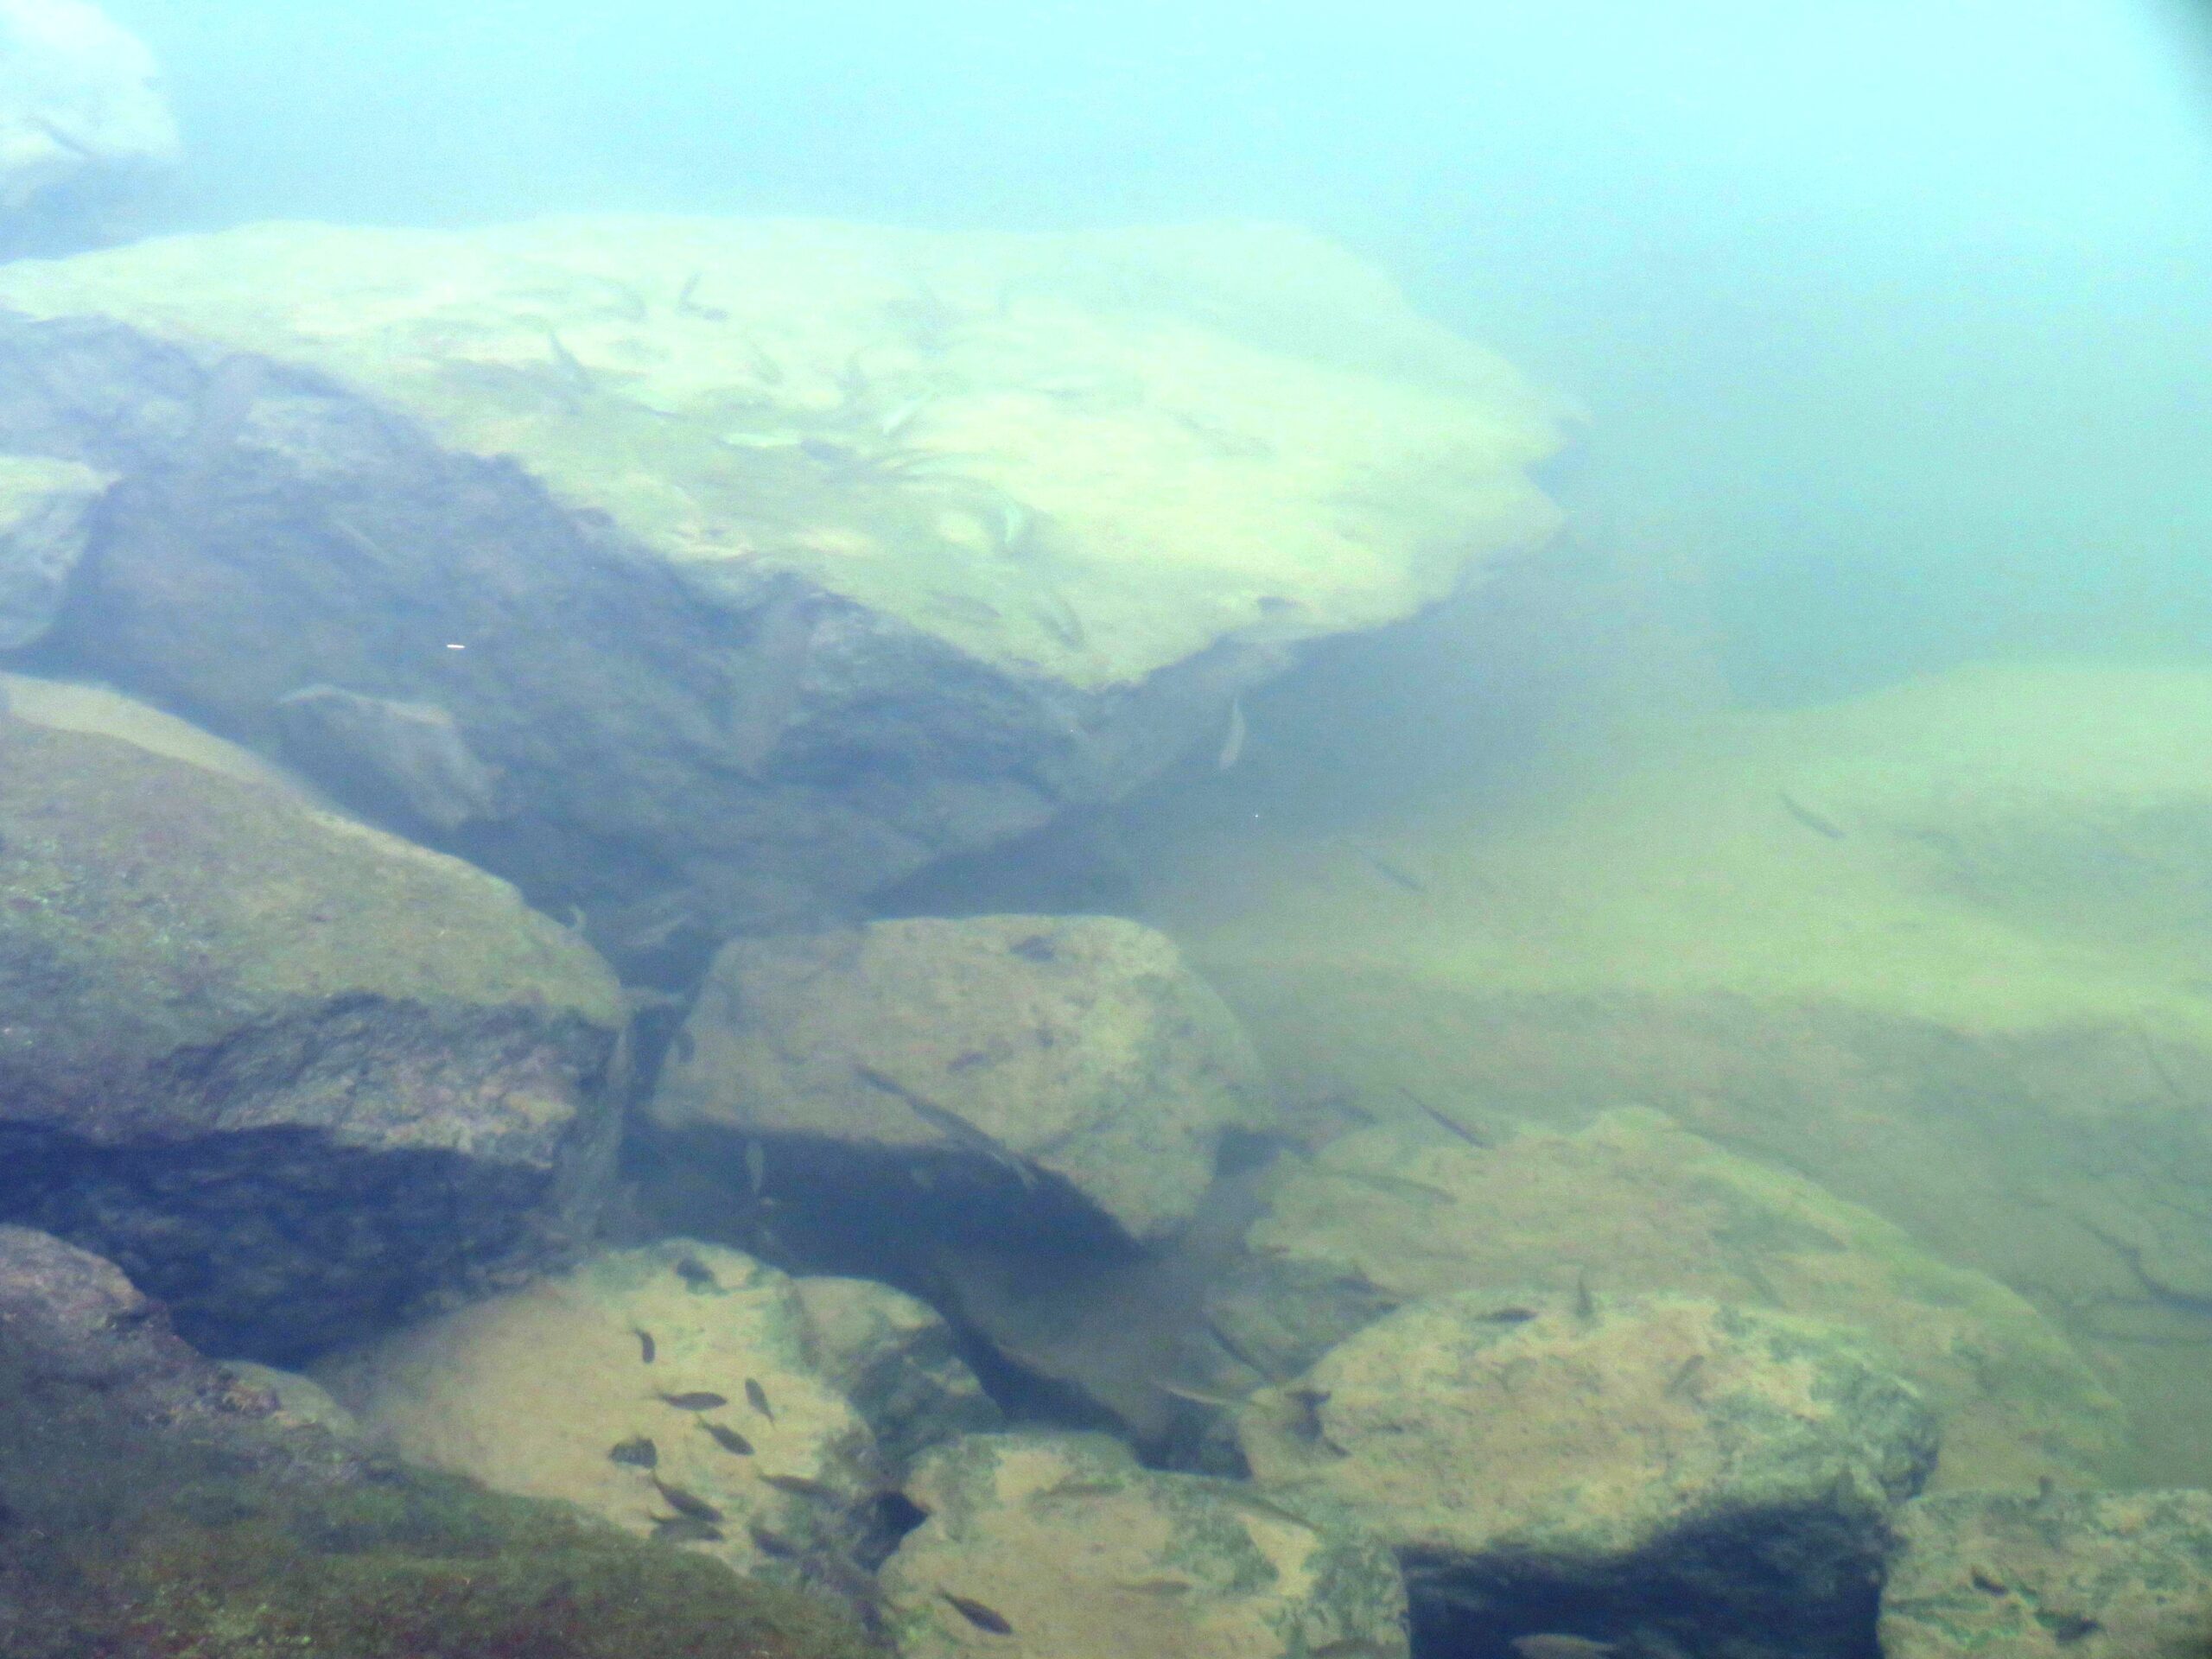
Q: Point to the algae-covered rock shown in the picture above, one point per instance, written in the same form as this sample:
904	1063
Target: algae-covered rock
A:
1641	1461
2054	1575
1636	1203
294	1076
1042	1072
1939	947
761	564
155	1503
1061	1544
670	1389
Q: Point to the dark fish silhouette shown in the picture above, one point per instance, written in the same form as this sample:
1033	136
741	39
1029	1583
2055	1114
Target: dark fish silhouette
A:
639	1452
695	1400
757	1397
686	1503
983	1618
645	1349
685	1529
728	1439
800	1485
696	1274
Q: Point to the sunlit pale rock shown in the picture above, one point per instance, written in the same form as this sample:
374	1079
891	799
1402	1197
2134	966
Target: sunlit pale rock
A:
1062	1544
762	564
1658	1460
1000	1074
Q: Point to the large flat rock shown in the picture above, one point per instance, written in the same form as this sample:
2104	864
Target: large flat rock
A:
1636	1203
768	562
292	1074
1940	948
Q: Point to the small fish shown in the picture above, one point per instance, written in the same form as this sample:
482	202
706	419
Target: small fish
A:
686	1503
1685	1377
1199	1396
1451	1124
1260	1506
757	1397
756	1168
696	1274
1393	874
1403	1186
639	1452
1513	1315
1015	521
1585	1305
1805	815
687	301
694	1400
1059	619
1232	740
728	1439
685	1529
1083	1489
899	419
1549	1645
646	1351
1037	947
801	1485
983	1618
565	360
769	1542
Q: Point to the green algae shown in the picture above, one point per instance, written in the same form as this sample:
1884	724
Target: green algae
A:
124	1539
224	896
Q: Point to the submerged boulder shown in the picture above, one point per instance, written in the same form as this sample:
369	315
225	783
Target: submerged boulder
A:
1064	1077
680	1391
1635	1466
2051	1575
1939	947
294	1076
1636	1203
762	564
1062	1544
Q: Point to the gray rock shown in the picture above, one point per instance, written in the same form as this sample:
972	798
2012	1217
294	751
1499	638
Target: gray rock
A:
44	508
2054	1575
670	1389
403	760
1062	1544
760	582
895	1359
293	1075
1635	1202
1667	1469
82	118
1046	1073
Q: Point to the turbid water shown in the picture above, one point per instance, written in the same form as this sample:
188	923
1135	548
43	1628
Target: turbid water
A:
1098	832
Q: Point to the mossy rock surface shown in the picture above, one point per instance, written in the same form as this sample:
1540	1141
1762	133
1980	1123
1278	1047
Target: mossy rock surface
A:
1636	1203
1062	1544
1715	1474
228	1006
733	569
1939	947
155	1506
2051	1575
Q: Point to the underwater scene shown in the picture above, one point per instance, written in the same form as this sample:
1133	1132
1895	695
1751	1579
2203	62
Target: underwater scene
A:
1140	832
